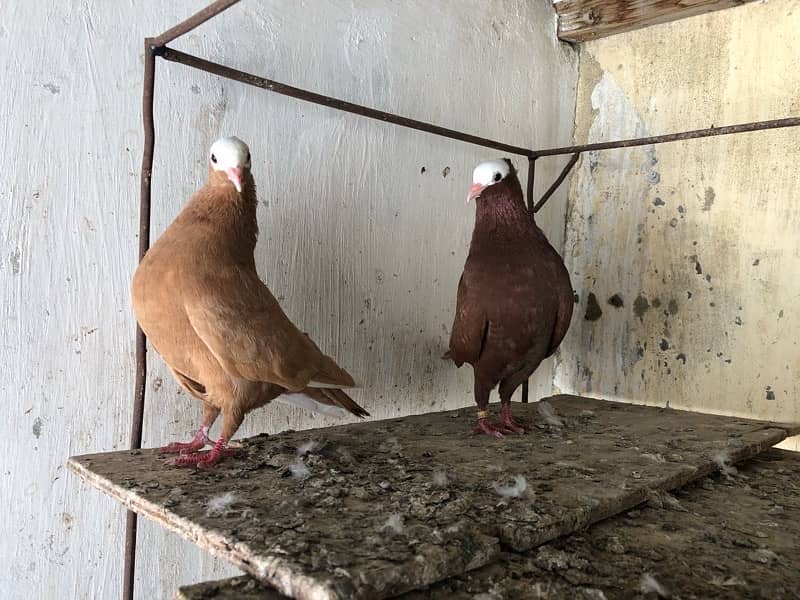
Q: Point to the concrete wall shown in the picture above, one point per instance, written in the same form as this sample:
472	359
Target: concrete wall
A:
698	239
363	248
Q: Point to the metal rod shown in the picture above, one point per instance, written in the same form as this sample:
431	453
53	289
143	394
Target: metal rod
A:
141	342
529	202
294	92
551	190
192	22
673	137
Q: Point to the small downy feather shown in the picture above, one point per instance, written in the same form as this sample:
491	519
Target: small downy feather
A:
512	491
219	505
549	414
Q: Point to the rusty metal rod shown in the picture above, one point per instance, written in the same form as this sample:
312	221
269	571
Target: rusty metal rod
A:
173	55
562	176
673	137
141	342
197	19
529	203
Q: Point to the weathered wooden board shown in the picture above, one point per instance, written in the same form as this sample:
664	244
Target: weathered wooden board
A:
720	537
583	20
380	508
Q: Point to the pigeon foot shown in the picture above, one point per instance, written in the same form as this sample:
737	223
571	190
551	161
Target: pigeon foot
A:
487	428
204	459
199	441
508	424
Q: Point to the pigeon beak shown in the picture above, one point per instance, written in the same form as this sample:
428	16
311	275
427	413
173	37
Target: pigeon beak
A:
235	175
475	191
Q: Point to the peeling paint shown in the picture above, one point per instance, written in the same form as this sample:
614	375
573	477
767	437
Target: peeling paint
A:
640	306
37	427
708	199
593	310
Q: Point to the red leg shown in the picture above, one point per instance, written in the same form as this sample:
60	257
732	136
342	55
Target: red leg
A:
485	426
200	440
508	424
204	459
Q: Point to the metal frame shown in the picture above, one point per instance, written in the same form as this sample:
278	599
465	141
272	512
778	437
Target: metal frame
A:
157	47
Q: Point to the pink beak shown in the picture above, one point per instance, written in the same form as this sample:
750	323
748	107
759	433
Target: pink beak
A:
475	191
235	175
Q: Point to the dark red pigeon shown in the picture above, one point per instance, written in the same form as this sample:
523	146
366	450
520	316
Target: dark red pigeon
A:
514	298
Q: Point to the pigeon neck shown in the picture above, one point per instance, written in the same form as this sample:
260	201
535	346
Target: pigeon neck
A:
502	217
233	214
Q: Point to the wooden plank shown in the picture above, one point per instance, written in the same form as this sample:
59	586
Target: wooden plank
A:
330	534
583	20
719	537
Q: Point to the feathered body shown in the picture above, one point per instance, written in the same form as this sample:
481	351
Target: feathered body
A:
199	300
515	298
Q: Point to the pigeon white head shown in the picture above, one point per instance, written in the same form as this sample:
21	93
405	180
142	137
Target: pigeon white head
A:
231	156
486	174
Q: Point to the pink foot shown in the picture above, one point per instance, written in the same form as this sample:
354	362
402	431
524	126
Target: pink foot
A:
204	459
485	427
508	424
200	440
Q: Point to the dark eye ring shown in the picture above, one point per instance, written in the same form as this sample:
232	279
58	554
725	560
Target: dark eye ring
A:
214	159
248	157
497	177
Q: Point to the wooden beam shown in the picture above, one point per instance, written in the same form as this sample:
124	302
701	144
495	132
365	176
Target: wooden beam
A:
583	20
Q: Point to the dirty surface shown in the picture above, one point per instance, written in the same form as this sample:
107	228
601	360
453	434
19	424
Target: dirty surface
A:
721	537
376	509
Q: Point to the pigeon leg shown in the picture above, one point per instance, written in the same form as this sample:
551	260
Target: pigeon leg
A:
201	437
482	400
230	423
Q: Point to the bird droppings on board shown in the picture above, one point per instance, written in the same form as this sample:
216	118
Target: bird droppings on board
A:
394	524
307	448
649	585
658	202
515	490
299	470
723	461
220	505
440	478
549	414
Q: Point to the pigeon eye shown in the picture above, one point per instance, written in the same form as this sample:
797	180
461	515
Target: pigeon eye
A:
497	177
214	158
248	157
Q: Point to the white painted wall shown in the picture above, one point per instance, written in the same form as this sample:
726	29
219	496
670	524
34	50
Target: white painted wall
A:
363	249
705	232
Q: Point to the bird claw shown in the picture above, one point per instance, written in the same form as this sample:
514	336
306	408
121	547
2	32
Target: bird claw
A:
487	428
198	443
509	424
201	459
